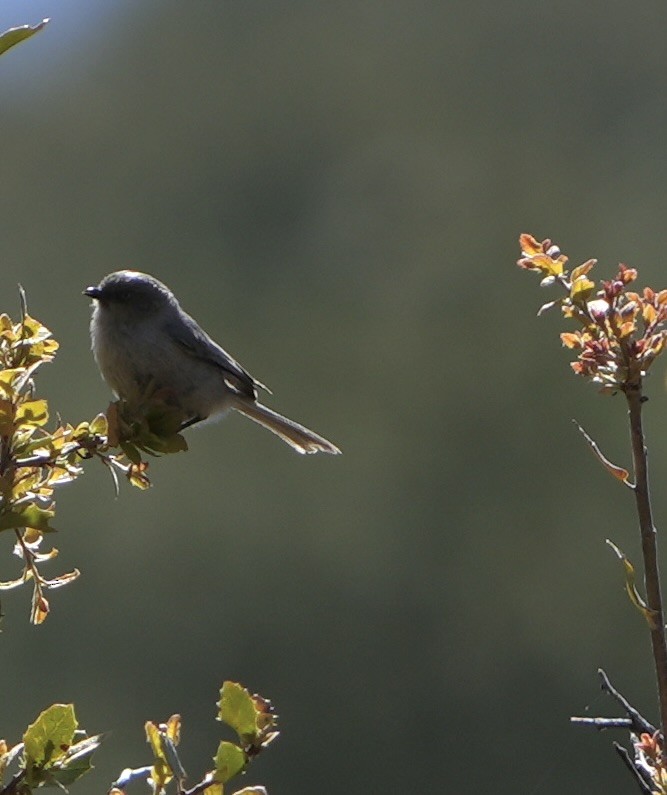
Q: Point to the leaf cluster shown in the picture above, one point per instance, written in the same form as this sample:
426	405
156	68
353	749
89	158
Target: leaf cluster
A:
53	752
621	332
250	716
34	459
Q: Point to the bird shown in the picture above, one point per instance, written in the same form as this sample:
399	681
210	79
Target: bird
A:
148	349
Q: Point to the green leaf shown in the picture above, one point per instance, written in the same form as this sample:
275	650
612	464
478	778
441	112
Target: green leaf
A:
51	735
229	761
237	709
29	516
631	588
76	761
99	425
15	35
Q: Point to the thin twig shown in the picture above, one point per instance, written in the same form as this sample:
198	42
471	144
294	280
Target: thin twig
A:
603	723
639	723
643	785
199	788
13	786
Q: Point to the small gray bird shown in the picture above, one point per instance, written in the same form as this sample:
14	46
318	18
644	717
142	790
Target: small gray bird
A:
145	344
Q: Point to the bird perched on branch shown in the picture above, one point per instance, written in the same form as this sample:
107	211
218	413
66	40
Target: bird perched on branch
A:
147	348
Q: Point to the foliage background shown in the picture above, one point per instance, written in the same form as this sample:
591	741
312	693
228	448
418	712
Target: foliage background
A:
335	191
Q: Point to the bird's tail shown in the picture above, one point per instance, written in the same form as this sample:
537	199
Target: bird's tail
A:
295	435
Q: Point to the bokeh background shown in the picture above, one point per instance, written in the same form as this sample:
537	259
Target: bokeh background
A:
335	190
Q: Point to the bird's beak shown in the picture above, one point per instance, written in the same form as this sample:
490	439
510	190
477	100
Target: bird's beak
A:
93	292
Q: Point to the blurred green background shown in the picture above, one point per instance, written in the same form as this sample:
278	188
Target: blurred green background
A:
335	190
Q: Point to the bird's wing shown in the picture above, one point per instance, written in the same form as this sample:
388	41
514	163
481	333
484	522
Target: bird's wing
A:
198	344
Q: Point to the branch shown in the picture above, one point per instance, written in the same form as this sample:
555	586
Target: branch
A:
644	785
13	786
633	394
603	723
200	788
639	723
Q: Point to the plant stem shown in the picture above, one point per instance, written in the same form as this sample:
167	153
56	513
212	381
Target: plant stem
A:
633	394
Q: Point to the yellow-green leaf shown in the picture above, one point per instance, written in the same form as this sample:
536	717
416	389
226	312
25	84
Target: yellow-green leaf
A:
99	425
229	761
237	709
136	474
51	735
76	761
161	773
631	588
581	289
28	516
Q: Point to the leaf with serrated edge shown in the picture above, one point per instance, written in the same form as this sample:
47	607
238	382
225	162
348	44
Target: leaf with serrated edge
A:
49	737
237	709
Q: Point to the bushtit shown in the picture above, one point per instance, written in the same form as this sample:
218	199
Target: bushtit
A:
146	346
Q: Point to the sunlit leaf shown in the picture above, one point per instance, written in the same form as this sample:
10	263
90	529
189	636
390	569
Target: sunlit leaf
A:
6	417
583	269
161	771
529	245
631	588
75	762
13	36
32	537
618	472
29	516
581	289
39	611
32	412
571	339
61	579
7	585
649	314
99	425
50	736
237	709
170	736
546	307
136	474
229	761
